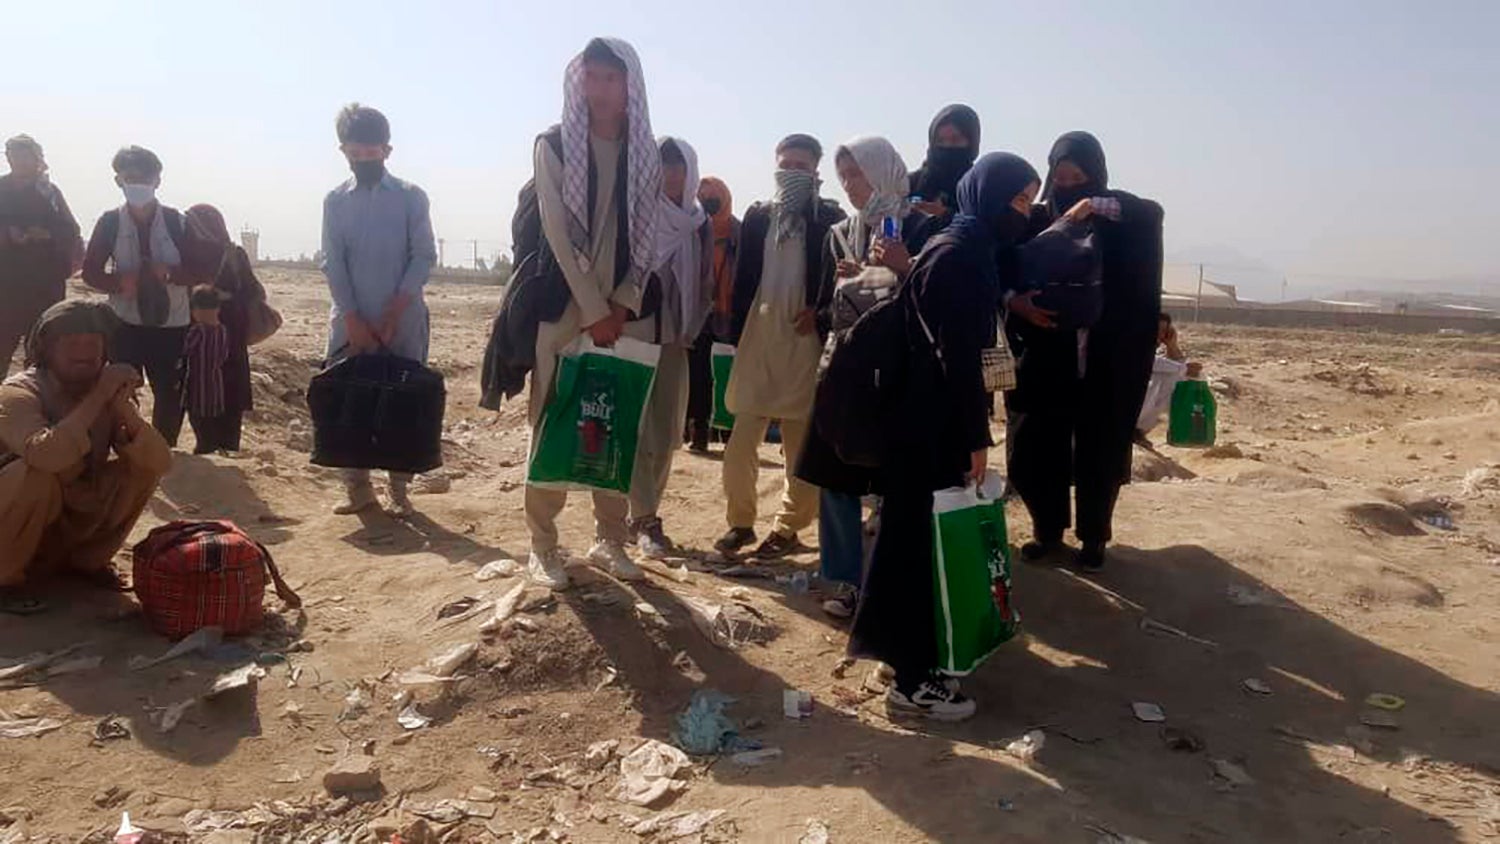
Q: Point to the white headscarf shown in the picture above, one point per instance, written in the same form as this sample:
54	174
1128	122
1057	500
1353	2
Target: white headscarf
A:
643	168
678	244
886	173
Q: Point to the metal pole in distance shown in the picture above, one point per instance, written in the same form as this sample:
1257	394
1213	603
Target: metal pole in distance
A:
1198	305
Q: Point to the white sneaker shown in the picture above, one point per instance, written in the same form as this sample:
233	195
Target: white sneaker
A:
939	701
548	569
611	556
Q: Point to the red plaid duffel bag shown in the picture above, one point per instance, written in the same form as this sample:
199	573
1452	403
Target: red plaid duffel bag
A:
190	575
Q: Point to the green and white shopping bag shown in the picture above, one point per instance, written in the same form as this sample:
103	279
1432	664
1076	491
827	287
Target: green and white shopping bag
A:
723	364
971	575
590	427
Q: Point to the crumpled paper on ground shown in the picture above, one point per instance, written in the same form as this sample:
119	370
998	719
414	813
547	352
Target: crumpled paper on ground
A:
650	772
26	727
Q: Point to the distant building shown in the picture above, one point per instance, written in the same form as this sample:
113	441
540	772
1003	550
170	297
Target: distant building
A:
250	240
1180	289
1329	306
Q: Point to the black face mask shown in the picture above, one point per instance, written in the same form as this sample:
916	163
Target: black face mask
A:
1065	198
945	166
712	206
1011	225
367	172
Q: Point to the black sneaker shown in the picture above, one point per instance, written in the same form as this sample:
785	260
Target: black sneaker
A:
1090	559
843	604
1044	552
697	438
779	545
735	541
935	698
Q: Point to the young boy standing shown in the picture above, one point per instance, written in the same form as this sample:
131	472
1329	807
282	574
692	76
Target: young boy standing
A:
598	194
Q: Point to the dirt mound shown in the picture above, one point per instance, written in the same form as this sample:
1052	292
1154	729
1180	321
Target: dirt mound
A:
1274	479
1152	467
1393	586
1383	518
279	379
1362	380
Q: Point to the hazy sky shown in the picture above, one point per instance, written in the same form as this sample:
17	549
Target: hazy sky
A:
1326	138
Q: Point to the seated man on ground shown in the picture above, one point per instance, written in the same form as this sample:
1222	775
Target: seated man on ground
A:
1171	366
65	503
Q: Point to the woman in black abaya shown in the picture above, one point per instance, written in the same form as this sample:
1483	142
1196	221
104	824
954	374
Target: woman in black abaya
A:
952	146
943	427
1065	427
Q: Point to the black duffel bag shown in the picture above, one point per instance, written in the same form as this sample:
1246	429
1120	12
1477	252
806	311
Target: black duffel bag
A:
377	411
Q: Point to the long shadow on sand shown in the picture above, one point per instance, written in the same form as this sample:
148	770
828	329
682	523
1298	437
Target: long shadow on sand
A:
1100	769
384	536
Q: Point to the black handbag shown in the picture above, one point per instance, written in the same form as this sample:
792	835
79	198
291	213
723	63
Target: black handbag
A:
377	411
1066	265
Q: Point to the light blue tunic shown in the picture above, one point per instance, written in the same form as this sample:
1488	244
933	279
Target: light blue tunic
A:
378	242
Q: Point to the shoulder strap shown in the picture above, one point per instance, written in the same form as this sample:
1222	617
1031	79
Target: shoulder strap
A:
175	227
554	139
908	292
109	226
842	241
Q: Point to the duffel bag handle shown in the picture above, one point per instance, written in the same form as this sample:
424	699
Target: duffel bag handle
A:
283	591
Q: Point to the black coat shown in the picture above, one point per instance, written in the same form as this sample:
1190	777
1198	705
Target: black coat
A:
751	262
943	416
1121	347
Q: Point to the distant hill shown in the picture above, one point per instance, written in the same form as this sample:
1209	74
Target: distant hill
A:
1391	298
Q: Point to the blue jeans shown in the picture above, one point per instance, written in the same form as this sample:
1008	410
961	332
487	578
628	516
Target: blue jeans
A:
841	538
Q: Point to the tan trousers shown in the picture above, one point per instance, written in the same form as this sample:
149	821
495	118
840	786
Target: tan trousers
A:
661	432
799	499
79	524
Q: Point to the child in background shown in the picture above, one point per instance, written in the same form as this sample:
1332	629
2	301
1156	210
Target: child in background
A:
206	352
1171	366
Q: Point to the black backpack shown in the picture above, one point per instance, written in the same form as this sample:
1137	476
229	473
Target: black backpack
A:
537	291
526	226
862	375
1066	265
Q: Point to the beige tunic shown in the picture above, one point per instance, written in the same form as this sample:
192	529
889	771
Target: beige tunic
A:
63	500
775	368
593	287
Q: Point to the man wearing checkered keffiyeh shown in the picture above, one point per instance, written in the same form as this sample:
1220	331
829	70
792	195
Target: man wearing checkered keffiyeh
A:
609	165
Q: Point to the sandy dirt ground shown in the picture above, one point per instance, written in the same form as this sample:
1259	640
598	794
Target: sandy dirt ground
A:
1310	555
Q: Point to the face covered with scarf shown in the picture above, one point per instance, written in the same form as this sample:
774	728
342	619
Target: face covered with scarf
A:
952	146
797	184
717	202
1076	171
994	198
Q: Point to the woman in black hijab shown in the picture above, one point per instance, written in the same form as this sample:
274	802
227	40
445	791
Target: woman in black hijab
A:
1064	426
942	424
952	146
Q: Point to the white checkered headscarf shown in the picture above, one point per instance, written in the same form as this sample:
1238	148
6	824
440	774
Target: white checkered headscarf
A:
642	169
